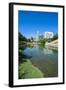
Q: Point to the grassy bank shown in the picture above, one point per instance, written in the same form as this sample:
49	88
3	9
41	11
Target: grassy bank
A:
27	70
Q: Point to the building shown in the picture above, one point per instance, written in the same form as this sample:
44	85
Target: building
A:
48	35
37	36
41	37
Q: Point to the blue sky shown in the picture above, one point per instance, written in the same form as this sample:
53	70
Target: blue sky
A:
31	22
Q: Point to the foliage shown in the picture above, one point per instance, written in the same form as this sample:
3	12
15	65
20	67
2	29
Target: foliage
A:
42	41
21	37
55	37
21	56
22	46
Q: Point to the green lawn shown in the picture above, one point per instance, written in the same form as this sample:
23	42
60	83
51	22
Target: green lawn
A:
27	70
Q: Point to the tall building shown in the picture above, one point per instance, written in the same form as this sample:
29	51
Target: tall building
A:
48	35
37	35
41	37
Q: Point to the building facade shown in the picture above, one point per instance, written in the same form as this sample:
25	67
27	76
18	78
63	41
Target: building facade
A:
48	35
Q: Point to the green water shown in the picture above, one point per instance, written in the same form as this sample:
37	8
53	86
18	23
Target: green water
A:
44	59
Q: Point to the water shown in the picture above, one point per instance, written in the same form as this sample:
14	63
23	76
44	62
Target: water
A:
43	58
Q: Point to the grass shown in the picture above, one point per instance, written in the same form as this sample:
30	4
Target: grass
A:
27	70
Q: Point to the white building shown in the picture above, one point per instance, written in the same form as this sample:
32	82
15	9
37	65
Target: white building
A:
37	35
48	35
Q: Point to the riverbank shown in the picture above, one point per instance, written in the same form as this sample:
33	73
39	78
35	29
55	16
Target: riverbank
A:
52	45
27	70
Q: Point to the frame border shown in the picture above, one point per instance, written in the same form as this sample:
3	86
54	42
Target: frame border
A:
11	43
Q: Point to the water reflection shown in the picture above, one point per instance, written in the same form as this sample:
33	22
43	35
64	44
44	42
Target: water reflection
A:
47	51
44	58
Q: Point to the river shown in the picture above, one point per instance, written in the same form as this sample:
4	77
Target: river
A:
43	58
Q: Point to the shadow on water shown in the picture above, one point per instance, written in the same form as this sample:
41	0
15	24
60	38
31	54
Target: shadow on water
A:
22	56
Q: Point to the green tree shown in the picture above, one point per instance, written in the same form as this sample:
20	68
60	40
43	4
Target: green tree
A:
21	37
55	37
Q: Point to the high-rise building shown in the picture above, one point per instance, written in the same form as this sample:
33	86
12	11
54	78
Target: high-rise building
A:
37	35
48	35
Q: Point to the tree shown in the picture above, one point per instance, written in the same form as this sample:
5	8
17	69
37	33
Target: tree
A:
21	37
55	37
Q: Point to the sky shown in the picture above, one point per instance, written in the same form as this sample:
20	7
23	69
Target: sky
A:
31	22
